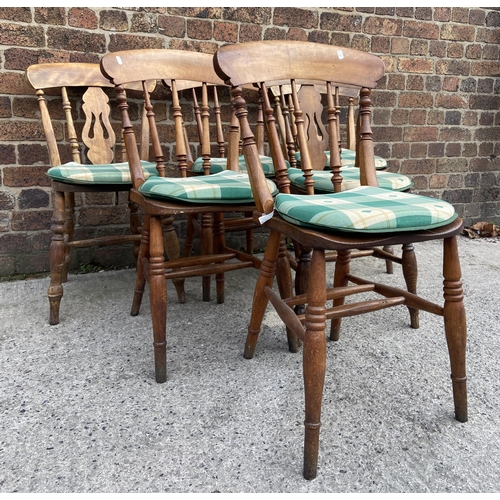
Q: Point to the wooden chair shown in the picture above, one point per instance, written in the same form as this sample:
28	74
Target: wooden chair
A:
82	158
212	196
364	217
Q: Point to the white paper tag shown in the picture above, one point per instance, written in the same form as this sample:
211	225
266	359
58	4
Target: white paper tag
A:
340	54
266	217
119	60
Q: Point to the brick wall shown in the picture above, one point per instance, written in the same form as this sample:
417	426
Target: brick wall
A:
436	119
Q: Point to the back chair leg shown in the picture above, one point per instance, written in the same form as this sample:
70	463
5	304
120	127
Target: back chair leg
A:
285	287
389	267
342	266
158	298
260	300
172	249
219	244
206	249
141	271
69	230
455	325
57	255
135	226
314	361
410	273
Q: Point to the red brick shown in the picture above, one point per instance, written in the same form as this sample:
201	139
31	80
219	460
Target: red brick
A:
437	181
17	14
453	67
297	34
172	26
295	17
333	21
25	176
415	100
485	68
250	33
416	65
421	29
442	14
458	33
421	134
50	15
199	29
21	36
82	17
255	15
144	22
383	26
31	220
226	32
451	101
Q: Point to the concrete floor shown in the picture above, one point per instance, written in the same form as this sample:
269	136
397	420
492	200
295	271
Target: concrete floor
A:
81	412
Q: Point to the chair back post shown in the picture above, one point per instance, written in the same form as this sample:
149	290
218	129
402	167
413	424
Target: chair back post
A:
72	138
275	144
302	140
129	138
260	190
48	129
333	131
233	143
351	126
205	138
218	125
368	176
181	145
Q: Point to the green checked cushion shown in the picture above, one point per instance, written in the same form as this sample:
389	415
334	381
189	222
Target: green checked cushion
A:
220	164
350	180
348	158
223	187
112	173
365	209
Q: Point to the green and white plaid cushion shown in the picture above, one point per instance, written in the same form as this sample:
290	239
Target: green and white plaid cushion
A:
348	158
365	209
220	164
112	173
350	180
223	187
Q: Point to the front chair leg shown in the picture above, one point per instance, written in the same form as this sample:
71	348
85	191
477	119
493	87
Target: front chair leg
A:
158	298
455	325
314	356
410	273
260	300
57	255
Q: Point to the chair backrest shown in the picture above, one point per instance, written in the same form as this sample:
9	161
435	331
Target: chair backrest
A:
270	63
179	70
95	142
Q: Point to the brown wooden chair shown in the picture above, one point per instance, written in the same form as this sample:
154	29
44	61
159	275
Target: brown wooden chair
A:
212	196
364	217
83	156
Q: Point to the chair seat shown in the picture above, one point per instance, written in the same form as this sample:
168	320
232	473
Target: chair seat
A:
220	164
350	180
223	187
365	209
348	158
111	173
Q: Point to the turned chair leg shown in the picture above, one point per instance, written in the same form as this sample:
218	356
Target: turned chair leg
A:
389	268
260	300
455	325
410	273
135	226
141	268
172	249
69	230
206	248
158	298
57	254
314	360
285	287
218	247
342	266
